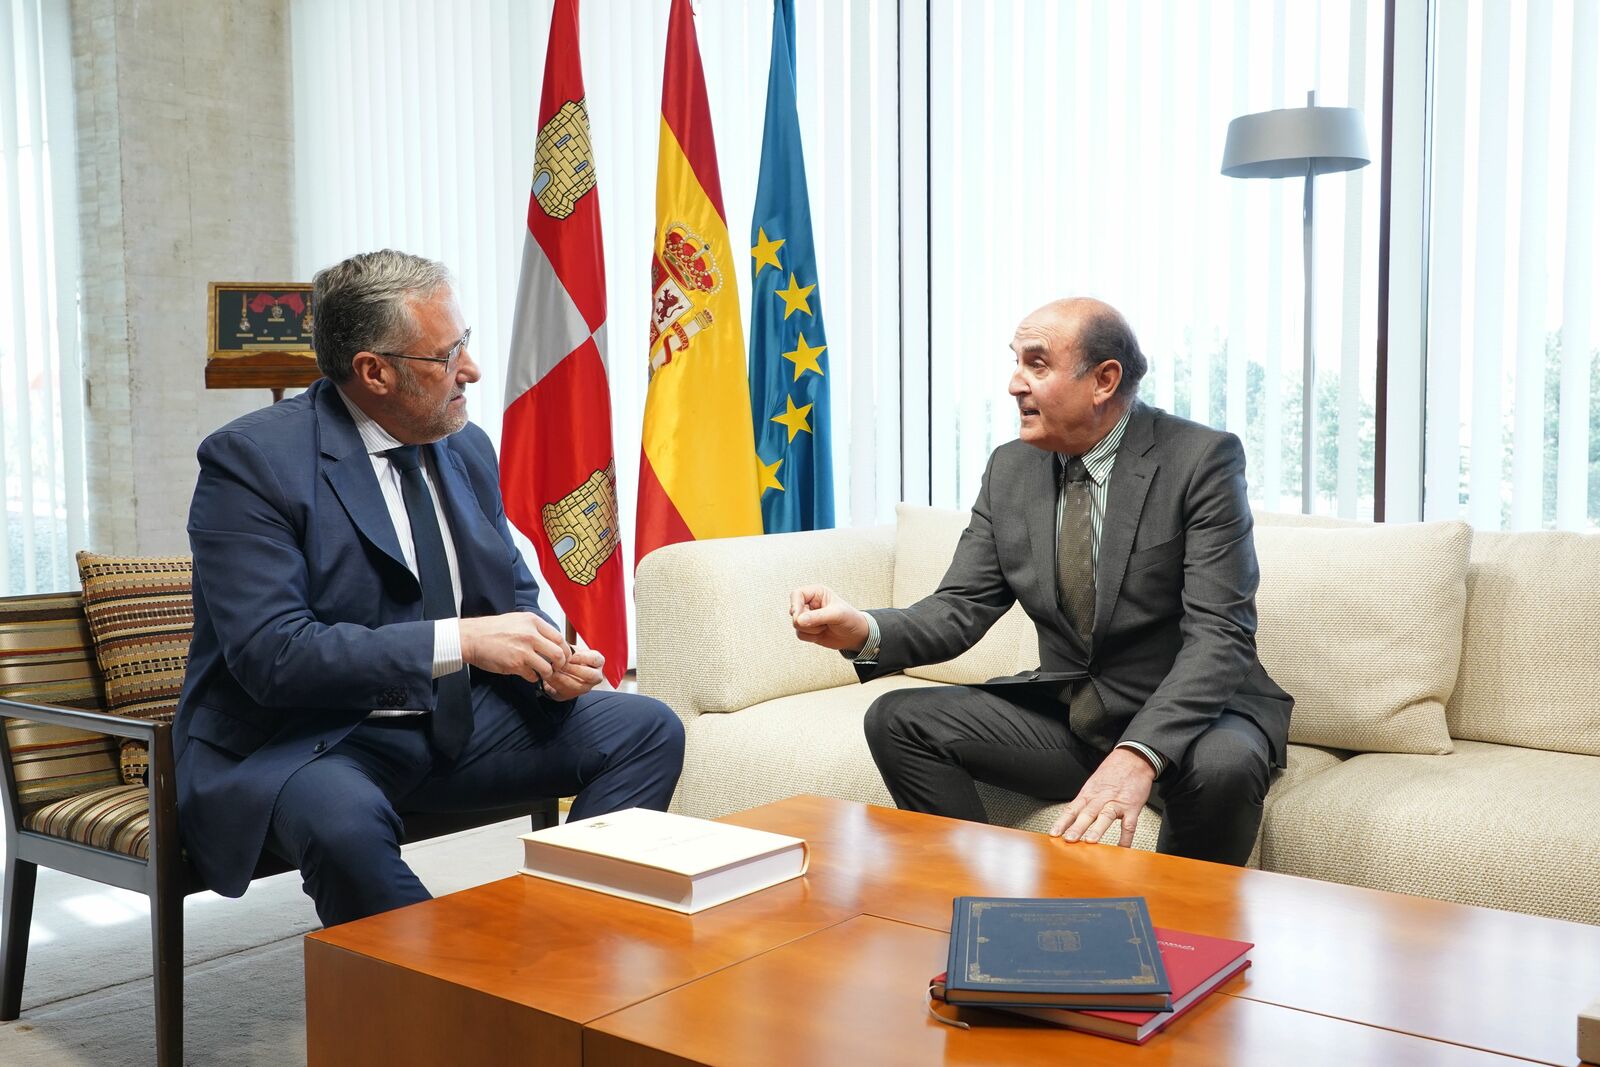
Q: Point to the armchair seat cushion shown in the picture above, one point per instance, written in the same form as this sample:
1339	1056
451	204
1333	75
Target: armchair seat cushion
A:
115	819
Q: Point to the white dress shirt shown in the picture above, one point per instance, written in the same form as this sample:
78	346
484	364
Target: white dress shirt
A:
446	632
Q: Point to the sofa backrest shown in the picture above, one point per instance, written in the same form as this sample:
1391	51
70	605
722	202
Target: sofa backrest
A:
1529	665
714	634
925	541
1366	676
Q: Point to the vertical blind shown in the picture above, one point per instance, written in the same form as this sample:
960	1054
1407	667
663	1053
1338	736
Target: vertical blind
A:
427	143
41	408
1077	149
1512	358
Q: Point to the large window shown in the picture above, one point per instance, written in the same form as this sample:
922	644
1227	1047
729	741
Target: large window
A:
1513	352
1076	149
41	413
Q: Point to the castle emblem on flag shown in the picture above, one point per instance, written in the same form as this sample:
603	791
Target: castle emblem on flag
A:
563	161
683	276
582	526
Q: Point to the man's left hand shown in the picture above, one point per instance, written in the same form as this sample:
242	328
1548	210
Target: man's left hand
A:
582	672
1116	790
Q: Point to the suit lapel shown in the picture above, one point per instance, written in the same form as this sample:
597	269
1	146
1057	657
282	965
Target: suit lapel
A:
348	468
478	544
1130	481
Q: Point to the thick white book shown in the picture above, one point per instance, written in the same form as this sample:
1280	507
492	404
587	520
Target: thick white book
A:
671	861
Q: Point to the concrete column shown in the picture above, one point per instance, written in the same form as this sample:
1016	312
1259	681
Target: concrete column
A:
186	167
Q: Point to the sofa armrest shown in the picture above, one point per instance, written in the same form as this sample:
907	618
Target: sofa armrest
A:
713	616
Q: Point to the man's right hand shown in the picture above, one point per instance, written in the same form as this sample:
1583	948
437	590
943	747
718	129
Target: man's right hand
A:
824	618
519	643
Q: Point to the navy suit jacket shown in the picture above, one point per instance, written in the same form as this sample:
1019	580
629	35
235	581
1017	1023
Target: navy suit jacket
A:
306	616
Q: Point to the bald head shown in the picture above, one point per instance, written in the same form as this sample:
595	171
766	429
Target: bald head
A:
1096	332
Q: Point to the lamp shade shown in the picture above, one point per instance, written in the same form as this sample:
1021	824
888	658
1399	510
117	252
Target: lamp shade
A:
1296	141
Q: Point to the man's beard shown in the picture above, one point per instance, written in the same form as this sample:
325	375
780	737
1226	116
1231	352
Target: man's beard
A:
441	422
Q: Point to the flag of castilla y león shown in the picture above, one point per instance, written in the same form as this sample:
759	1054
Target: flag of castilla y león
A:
557	470
698	476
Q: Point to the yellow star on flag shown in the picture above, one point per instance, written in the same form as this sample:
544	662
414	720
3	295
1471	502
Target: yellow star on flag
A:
794	297
769	475
766	251
804	355
794	420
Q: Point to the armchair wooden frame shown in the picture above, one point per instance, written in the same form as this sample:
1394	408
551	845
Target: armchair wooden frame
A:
166	877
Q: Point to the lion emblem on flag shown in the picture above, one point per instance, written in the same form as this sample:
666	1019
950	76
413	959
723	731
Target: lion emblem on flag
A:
683	275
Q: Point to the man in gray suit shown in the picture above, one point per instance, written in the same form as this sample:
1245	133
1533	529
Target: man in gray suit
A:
1125	534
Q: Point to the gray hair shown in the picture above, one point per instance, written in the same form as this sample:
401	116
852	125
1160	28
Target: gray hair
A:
363	305
1104	334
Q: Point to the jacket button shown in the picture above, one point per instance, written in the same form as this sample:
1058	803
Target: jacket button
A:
320	746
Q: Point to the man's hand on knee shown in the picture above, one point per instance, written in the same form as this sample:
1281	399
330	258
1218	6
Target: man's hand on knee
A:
1118	789
518	643
822	617
583	671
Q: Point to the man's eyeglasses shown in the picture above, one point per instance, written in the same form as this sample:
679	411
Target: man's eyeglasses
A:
449	359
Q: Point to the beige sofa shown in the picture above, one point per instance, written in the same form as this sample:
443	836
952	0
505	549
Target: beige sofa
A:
1445	740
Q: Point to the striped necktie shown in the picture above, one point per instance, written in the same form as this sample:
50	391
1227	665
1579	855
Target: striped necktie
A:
1075	550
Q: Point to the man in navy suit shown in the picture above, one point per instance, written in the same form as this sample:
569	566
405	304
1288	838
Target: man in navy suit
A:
368	640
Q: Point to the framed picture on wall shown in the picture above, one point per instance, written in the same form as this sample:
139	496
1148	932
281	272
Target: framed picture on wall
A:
259	336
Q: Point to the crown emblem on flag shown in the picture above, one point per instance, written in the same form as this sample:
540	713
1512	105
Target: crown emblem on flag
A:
687	257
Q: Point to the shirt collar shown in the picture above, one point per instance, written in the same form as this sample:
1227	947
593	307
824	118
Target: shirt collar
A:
374	437
1099	460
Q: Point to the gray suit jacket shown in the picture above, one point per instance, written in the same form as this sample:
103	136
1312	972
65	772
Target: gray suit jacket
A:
1175	618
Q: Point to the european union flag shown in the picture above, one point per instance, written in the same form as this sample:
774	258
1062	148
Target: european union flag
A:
788	363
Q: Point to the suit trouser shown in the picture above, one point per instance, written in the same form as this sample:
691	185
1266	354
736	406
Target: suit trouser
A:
338	818
932	744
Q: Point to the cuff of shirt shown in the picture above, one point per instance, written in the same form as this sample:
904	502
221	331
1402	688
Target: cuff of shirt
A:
1151	756
446	647
867	654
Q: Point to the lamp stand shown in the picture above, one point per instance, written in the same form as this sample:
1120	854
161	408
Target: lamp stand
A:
1308	366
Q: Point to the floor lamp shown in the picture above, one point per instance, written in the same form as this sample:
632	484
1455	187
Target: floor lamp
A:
1299	142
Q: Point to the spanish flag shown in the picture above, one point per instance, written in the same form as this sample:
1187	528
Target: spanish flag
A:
697	471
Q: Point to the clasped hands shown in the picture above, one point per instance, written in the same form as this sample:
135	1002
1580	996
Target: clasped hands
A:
1116	790
523	644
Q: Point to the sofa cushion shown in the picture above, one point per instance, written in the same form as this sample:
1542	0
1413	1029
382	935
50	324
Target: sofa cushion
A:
1362	624
1529	671
1031	813
1488	824
814	743
45	658
806	743
925	542
115	819
142	619
141	615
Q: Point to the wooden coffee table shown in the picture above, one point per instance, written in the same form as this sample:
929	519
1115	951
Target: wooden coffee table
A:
833	967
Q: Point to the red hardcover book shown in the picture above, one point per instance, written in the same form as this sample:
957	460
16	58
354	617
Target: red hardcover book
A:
1195	963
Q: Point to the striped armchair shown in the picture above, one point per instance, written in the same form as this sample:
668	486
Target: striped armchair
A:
67	805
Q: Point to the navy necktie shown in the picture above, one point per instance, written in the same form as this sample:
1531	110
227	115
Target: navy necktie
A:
452	713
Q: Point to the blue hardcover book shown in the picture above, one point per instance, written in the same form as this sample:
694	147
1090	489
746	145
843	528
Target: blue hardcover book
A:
1056	952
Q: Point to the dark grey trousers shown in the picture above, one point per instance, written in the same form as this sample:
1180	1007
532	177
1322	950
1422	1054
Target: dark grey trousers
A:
932	745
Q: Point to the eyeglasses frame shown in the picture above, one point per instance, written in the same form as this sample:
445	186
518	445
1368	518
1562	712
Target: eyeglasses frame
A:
448	359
